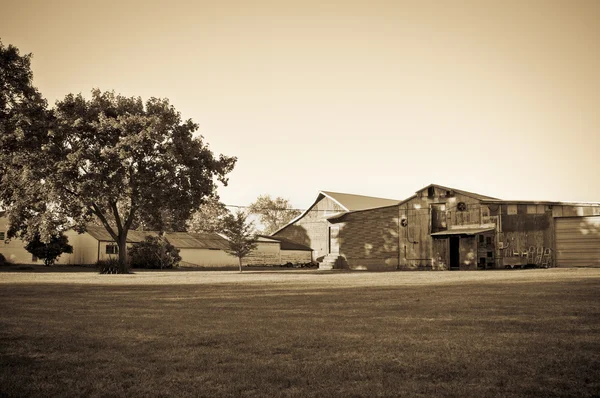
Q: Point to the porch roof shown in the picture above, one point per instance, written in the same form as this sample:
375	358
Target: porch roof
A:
463	231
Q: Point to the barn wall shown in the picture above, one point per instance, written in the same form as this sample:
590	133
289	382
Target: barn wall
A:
418	250
85	249
312	229
208	258
295	256
369	239
266	253
523	227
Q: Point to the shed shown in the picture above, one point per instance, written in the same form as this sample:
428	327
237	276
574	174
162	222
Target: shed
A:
291	252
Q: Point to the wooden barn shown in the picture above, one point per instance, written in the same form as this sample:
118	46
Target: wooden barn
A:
346	230
444	228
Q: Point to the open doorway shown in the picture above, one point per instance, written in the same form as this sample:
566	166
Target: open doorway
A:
454	252
334	243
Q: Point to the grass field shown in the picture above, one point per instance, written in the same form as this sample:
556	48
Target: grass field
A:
301	333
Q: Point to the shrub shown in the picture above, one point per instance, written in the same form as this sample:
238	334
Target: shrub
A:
154	252
49	251
5	261
110	266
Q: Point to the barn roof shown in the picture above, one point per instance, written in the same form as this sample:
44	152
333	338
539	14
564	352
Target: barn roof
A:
464	231
181	240
202	240
466	193
101	234
348	202
352	202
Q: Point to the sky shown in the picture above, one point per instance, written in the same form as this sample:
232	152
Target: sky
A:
378	98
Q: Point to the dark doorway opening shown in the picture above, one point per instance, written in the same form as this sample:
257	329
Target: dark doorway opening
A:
334	243
454	252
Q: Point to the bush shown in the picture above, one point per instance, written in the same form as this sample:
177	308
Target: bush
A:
154	252
49	251
4	260
110	266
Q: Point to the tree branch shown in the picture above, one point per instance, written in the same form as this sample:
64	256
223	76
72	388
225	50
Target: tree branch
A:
96	210
115	210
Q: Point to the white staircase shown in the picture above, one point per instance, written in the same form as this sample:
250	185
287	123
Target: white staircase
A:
331	261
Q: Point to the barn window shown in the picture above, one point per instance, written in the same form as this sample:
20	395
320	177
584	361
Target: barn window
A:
430	192
2	237
511	209
488	240
480	238
490	254
112	249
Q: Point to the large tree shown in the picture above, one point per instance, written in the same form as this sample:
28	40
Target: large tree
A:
120	160
273	213
24	120
209	217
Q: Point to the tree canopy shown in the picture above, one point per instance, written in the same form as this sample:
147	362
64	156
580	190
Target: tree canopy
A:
118	159
209	217
24	122
273	213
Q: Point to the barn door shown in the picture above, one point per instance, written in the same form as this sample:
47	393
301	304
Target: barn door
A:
578	242
334	243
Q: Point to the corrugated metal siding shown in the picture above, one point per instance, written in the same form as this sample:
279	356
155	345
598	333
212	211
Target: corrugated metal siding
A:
578	242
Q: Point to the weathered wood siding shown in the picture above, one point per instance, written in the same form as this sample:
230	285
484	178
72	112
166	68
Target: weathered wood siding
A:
207	258
369	239
266	253
523	227
295	257
312	229
418	250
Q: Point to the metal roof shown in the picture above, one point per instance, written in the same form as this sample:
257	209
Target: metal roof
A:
352	202
466	193
348	202
190	240
463	231
181	240
133	236
540	202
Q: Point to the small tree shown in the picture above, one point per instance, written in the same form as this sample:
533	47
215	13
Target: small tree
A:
240	234
49	251
154	252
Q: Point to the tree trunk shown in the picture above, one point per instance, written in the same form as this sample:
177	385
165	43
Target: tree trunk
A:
123	265
240	259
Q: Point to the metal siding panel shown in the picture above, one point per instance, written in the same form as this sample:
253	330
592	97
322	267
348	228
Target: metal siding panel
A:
578	242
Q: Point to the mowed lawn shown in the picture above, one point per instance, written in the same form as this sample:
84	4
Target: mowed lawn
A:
304	334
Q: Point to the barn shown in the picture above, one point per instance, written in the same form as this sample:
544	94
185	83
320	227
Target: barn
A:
442	228
347	231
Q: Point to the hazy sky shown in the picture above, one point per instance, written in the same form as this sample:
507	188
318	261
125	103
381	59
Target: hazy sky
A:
370	97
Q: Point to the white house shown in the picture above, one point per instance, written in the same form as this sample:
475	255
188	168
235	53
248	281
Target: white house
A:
195	249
